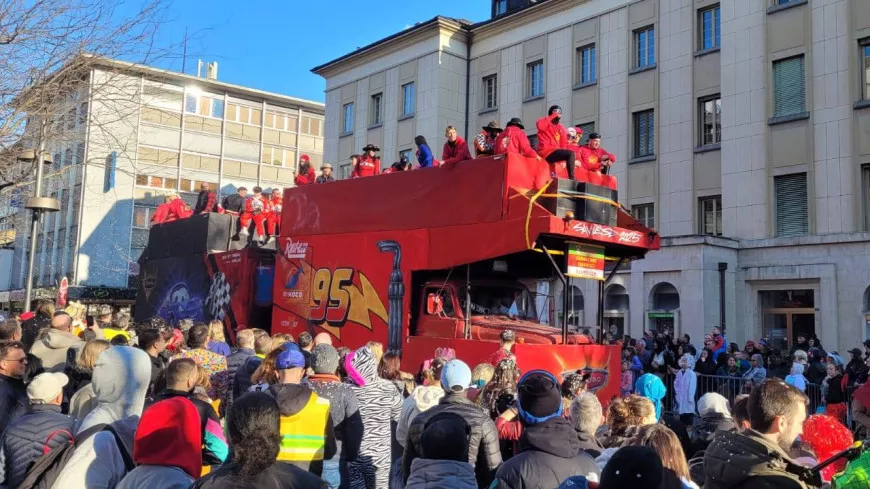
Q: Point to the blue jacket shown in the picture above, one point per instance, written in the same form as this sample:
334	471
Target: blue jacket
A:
25	439
424	156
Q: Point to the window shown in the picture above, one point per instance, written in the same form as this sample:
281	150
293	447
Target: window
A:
408	102
710	121
314	127
205	105
865	174
142	216
646	214
407	153
865	68
80	153
535	79
586	64
500	7
490	92
790	196
645	47
83	113
644	133
56	162
348	118
71	118
710	20
344	171
376	108
588	128
68	157
710	215
788	87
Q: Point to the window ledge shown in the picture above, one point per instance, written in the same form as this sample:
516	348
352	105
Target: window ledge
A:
779	8
375	126
708	147
642	69
587	84
861	104
345	134
704	52
536	97
407	116
788	118
487	111
642	159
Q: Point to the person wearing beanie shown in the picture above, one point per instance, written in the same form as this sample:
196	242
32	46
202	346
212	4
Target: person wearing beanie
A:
549	450
483	447
166	447
444	460
305	175
632	467
344	410
652	388
43	427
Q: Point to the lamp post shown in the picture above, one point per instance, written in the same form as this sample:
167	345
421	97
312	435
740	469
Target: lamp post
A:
37	205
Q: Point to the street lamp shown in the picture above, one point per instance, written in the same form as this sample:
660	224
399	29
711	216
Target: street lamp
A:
37	204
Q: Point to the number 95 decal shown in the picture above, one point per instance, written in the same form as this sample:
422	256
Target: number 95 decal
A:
330	295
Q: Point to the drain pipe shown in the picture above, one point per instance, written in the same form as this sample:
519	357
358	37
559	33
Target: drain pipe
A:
467	80
723	266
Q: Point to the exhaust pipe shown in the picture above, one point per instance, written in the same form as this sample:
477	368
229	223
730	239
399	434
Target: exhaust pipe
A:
395	294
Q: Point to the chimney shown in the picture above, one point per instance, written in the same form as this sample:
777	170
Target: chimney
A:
211	70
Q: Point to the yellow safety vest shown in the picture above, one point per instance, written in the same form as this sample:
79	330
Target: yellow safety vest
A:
303	435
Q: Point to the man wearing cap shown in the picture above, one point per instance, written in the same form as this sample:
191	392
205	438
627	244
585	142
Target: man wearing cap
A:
305	175
549	449
307	432
484	143
43	428
368	164
514	140
595	158
483	450
553	141
325	174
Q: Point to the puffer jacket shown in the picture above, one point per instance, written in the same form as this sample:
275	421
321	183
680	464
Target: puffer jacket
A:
43	426
422	399
52	349
441	474
13	400
549	453
483	447
749	461
344	411
706	429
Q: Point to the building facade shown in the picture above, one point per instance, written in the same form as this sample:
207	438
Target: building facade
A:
133	134
741	129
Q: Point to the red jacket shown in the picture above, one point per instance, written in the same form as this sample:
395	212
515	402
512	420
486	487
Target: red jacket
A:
305	178
591	158
277	204
178	209
256	204
159	216
456	152
366	167
551	136
514	140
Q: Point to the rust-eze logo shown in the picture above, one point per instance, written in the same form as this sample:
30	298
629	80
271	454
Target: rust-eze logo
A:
295	249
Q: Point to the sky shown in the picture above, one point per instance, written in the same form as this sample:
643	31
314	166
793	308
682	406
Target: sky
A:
273	44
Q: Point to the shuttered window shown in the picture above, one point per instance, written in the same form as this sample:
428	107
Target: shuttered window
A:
792	214
789	92
644	134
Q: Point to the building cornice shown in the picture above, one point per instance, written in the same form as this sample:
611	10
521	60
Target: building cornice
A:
521	17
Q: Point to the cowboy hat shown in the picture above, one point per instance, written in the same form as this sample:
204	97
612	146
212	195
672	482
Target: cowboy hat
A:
325	166
516	122
371	147
492	126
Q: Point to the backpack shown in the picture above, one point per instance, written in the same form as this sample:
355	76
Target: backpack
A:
45	470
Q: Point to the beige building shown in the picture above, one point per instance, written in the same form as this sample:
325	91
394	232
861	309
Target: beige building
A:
741	128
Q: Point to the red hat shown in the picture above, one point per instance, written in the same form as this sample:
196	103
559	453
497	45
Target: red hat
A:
169	435
305	159
827	437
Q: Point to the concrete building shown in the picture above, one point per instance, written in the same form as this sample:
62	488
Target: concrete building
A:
741	127
131	135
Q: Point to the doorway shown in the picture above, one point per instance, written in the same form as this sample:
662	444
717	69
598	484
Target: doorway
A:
787	314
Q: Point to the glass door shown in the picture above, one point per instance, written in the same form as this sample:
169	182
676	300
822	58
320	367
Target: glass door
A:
775	327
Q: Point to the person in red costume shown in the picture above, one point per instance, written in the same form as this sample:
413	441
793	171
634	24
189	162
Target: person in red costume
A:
305	175
553	141
256	209
593	157
368	164
176	208
455	149
514	140
159	216
273	219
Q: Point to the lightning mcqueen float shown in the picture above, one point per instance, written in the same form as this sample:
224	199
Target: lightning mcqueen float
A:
445	257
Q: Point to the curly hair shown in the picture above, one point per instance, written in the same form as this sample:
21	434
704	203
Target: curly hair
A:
253	429
503	383
626	412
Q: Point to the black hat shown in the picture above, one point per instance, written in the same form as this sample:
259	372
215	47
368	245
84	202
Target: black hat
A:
594	135
518	123
492	126
539	397
553	108
632	466
866	343
371	147
856	351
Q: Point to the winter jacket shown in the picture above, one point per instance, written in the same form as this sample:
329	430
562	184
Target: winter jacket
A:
30	329
685	388
215	449
25	440
82	402
277	476
441	474
835	394
589	444
591	158
755	375
306	176
549	454
514	140
52	349
307	432
234	204
219	347
214	365
455	152
707	428
750	461
796	378
98	461
344	410
422	399
235	361
152	476
13	400
324	179
120	383
816	372
79	377
242	379
206	201
551	136
483	446
424	156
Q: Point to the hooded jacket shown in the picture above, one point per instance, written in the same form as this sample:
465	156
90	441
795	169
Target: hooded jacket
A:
549	453
166	447
423	398
441	474
796	378
214	444
24	441
715	417
344	410
551	136
514	140
52	349
685	386
750	461
121	378
307	432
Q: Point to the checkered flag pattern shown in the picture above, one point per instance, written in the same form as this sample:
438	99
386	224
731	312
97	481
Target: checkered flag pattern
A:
218	296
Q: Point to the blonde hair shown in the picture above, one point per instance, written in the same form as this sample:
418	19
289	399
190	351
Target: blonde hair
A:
203	379
666	444
91	352
266	372
377	349
76	310
483	371
279	339
628	411
216	331
447	131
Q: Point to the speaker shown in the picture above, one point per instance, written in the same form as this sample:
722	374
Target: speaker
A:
196	235
584	209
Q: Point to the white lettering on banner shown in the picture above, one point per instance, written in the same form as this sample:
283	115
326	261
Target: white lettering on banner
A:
607	231
581	228
629	237
295	249
293	294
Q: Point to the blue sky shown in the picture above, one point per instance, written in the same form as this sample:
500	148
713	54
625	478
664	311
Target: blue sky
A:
273	44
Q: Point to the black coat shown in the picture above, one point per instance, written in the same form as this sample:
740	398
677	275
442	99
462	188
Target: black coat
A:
30	329
234	203
202	202
590	444
483	448
706	429
242	379
324	179
13	400
277	476
549	453
25	440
